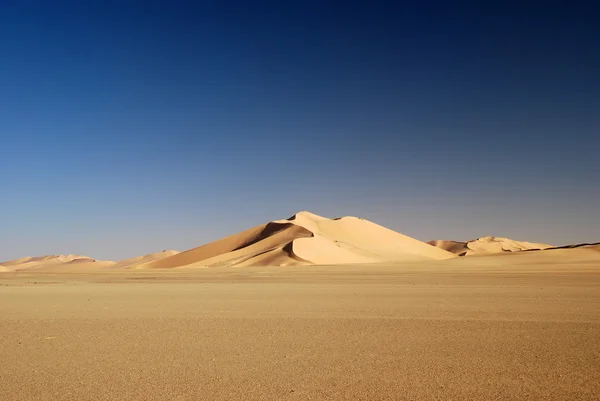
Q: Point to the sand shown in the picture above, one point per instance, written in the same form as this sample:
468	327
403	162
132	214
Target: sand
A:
513	326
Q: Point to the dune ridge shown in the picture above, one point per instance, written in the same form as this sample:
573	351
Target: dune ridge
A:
594	246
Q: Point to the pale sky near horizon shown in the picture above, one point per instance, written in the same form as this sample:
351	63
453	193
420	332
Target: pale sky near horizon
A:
131	127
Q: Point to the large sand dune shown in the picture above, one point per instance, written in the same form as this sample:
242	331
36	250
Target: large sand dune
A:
305	239
487	245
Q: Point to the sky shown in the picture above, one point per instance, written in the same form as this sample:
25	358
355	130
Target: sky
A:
129	127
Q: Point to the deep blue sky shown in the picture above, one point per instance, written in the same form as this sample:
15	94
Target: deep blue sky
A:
128	127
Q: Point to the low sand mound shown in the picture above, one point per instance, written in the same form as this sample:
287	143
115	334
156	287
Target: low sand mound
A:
43	259
487	245
73	267
54	262
543	258
132	262
305	239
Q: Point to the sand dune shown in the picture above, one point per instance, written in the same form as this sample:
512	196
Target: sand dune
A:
487	245
54	262
305	239
543	258
43	259
66	263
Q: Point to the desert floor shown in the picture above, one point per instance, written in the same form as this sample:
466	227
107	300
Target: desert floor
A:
482	329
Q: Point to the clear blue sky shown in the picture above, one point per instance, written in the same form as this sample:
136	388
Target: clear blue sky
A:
128	127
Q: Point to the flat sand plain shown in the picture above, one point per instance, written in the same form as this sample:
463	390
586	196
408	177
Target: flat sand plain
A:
477	329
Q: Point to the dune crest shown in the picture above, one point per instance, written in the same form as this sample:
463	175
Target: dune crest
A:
305	239
593	246
487	245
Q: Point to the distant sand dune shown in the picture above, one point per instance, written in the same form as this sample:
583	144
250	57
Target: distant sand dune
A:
64	263
54	262
487	245
42	259
545	257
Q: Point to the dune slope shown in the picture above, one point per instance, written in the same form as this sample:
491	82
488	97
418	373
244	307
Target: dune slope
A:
129	263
